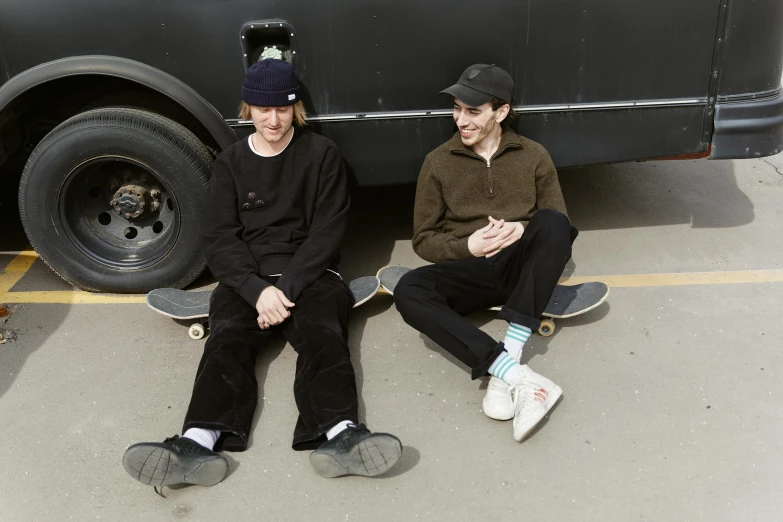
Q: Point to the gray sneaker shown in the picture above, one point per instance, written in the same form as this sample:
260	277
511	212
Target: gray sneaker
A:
176	460
357	451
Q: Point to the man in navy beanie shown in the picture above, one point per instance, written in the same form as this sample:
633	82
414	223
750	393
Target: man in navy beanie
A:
275	217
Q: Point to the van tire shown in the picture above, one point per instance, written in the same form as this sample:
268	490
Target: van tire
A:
149	236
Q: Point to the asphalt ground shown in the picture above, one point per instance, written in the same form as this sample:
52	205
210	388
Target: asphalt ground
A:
671	388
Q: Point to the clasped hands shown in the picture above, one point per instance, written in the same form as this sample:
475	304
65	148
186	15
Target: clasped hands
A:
272	307
497	235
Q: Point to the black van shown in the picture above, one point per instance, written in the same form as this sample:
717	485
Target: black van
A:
127	102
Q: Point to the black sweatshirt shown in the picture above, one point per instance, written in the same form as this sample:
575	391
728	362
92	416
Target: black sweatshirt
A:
284	214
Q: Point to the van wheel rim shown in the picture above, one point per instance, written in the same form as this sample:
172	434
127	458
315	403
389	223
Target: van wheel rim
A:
118	212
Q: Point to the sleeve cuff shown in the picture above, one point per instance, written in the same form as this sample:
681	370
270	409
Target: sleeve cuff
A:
459	249
251	289
290	285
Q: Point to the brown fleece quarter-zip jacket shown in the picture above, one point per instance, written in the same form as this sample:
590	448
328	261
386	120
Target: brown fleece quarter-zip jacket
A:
458	189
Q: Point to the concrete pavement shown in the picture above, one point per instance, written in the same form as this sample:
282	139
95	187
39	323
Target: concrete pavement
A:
671	389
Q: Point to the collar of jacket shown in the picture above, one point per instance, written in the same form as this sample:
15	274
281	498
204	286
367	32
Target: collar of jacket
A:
508	140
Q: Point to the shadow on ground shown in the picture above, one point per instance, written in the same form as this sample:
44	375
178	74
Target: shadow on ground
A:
632	195
21	342
380	216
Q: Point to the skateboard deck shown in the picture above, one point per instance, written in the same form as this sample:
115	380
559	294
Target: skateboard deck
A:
363	289
183	305
566	301
179	304
389	276
573	300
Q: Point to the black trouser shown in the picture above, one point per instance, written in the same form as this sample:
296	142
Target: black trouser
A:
434	299
226	390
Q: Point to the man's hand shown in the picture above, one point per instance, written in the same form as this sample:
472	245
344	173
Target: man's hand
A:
477	241
272	307
497	235
509	232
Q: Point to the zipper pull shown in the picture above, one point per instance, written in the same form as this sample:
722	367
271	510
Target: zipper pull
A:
488	164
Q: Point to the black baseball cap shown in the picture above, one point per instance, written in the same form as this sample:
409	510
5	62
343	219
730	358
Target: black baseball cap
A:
481	83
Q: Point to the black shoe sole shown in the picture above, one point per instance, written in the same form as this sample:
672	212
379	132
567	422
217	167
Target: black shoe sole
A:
154	464
370	457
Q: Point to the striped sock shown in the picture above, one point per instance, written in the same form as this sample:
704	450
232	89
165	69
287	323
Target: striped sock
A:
504	368
516	337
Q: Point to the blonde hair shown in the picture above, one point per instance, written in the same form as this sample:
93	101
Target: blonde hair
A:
300	117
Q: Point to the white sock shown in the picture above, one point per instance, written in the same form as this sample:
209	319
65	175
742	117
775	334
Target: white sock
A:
516	337
206	438
337	428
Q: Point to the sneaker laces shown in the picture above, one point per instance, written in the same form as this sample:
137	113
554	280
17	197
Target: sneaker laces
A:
186	446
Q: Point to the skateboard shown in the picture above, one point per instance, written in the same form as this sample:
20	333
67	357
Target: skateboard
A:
179	304
382	283
184	305
566	301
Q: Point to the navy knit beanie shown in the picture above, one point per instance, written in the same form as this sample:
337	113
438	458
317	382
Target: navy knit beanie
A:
270	83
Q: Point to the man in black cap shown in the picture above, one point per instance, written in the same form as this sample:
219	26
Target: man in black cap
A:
275	217
490	215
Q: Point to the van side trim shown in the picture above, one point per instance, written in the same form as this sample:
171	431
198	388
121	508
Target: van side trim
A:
640	104
751	96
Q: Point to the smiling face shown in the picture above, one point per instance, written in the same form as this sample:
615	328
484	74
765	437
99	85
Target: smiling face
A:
476	123
272	123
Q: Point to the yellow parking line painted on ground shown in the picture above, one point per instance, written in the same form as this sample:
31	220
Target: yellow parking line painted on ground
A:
681	279
16	269
22	262
70	297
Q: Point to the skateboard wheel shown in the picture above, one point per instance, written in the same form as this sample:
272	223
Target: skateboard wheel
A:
547	328
196	331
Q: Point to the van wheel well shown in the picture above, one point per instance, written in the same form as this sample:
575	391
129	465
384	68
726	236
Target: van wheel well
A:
32	115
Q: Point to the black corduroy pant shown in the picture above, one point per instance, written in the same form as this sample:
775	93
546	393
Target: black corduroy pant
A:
435	299
225	392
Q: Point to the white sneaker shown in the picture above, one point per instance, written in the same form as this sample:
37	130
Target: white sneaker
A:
532	400
497	402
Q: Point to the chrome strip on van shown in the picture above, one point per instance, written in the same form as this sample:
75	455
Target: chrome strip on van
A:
396	115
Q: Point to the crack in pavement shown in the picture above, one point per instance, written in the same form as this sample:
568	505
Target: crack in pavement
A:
777	169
